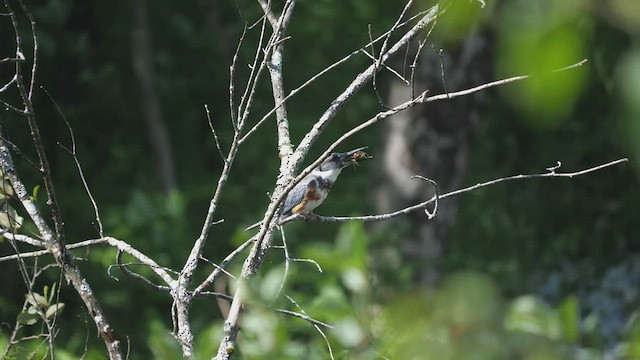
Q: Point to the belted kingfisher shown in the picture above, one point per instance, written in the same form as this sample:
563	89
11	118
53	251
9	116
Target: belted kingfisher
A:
313	189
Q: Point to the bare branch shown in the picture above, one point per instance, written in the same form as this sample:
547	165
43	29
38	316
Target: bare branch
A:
422	98
320	74
494	83
13	108
8	85
22	238
358	83
385	43
274	58
182	297
422	206
244	108
277	83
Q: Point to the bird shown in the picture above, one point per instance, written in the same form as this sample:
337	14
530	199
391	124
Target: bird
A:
314	188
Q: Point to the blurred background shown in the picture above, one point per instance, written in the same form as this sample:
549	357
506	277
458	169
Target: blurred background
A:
534	269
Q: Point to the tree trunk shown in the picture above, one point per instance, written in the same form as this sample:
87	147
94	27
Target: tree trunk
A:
156	128
432	140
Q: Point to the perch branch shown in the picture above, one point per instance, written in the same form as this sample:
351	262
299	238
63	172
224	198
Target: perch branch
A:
373	218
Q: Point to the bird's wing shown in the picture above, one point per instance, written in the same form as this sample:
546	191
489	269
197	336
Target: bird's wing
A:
295	197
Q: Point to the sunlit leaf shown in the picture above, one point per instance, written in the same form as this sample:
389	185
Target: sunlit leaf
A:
6	188
531	315
36	299
54	310
9	218
35	192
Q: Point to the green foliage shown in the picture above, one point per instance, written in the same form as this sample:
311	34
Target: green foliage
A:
40	306
551	36
9	218
462	19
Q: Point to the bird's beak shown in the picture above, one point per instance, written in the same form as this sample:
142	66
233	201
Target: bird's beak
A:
351	157
350	153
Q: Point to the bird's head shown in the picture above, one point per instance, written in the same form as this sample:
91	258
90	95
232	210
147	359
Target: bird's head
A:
339	161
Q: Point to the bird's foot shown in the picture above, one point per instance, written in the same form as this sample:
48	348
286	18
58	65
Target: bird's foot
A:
310	216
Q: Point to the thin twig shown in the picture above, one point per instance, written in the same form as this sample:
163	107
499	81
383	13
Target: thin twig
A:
494	83
11	107
218	267
232	68
123	267
443	75
74	155
18	152
213	131
414	64
214	274
248	95
326	340
8	85
394	72
305	317
34	36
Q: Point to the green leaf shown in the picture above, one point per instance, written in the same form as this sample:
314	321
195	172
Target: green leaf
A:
35	192
54	310
36	299
10	219
51	294
6	189
26	318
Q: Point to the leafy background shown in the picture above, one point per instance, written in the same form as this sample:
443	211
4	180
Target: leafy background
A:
542	269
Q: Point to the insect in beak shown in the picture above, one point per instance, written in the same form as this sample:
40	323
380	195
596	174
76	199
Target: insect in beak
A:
359	155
